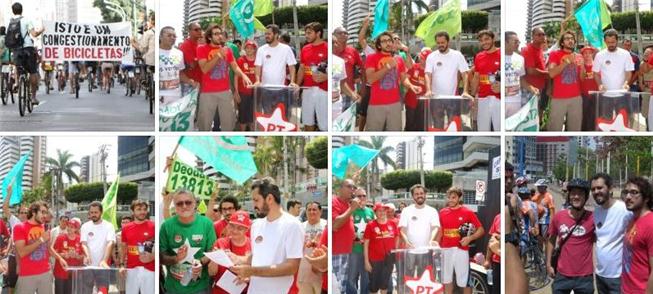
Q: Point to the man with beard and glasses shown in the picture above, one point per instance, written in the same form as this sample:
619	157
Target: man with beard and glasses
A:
136	244
574	269
567	102
11	276
228	205
277	242
418	227
442	71
312	73
215	95
183	240
487	83
31	241
343	207
637	271
611	218
98	237
385	72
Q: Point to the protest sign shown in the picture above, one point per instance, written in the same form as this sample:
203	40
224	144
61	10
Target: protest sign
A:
86	42
178	116
190	178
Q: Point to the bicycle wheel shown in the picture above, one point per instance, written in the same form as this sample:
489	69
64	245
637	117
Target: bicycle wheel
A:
10	89
47	85
3	89
89	78
22	95
537	275
151	93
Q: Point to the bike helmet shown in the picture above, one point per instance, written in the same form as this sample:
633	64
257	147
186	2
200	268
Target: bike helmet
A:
579	184
541	183
521	181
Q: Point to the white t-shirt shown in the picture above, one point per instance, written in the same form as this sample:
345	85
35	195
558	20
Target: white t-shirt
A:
610	230
273	62
97	237
311	233
613	67
170	63
418	223
514	69
338	73
13	221
444	69
273	243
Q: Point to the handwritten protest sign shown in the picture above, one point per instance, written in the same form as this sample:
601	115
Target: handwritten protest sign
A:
188	177
179	116
86	42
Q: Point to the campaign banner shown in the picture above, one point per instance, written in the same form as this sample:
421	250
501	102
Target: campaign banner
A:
185	176
448	113
526	119
179	116
86	42
618	111
346	121
277	108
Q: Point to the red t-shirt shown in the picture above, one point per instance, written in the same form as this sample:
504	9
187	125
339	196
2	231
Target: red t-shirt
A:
496	229
217	78
225	244
638	249
65	245
416	77
587	82
352	58
219	227
312	56
576	255
325	241
451	220
249	69
567	83
382	239
386	90
4	231
189	48
133	235
36	262
343	238
487	64
534	58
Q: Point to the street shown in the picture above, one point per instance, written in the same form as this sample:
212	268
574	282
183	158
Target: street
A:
96	111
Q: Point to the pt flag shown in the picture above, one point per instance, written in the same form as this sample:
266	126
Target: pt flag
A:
448	18
593	17
381	17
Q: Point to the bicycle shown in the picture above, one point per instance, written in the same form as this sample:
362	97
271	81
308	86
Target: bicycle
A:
129	83
61	78
148	84
6	84
535	264
76	84
24	92
90	78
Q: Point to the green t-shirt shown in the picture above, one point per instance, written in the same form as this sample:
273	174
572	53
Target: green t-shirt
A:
236	53
365	215
173	234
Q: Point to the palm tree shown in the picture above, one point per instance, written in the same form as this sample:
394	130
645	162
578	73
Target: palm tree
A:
378	143
60	166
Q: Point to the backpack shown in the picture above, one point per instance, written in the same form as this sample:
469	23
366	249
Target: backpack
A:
14	38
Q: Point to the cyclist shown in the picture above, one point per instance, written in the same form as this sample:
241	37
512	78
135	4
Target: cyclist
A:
127	68
73	75
529	218
48	68
19	37
60	75
107	73
5	57
90	68
545	206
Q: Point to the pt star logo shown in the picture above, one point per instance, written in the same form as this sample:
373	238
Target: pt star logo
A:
360	226
275	122
190	253
618	124
424	285
455	125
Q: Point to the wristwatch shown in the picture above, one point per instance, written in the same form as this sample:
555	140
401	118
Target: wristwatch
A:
512	237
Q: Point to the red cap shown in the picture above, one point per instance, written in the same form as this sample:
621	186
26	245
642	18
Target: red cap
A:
424	53
240	218
378	206
74	223
250	43
587	48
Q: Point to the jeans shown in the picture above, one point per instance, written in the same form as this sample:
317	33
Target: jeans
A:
580	285
356	270
608	285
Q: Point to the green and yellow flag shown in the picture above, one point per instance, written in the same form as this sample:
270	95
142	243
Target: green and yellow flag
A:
109	203
448	18
263	7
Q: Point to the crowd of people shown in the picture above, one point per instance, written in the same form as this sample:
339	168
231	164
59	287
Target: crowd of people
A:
366	237
566	75
271	249
608	246
388	85
229	73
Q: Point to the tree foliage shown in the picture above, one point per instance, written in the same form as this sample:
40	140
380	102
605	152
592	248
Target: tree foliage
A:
472	20
126	5
283	16
403	179
317	151
94	191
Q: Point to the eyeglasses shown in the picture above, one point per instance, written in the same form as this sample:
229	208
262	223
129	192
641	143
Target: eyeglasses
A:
361	195
197	29
540	34
228	208
568	38
182	203
217	33
350	186
44	211
632	192
386	40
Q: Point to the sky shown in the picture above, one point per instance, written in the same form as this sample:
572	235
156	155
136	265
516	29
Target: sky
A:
80	146
394	141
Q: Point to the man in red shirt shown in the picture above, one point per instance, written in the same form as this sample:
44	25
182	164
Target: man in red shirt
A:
385	72
460	227
342	207
575	268
244	95
587	84
236	243
415	108
228	205
380	239
215	95
566	100
312	73
31	240
136	245
487	81
537	74
353	64
637	269
189	48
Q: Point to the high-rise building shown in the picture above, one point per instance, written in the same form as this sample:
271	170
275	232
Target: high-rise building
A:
630	5
552	149
523	150
493	8
407	155
196	10
95	168
136	164
12	148
541	12
84	169
353	13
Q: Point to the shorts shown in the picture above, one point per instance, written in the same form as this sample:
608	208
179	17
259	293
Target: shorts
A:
27	59
107	66
12	273
544	229
455	260
380	275
315	105
246	109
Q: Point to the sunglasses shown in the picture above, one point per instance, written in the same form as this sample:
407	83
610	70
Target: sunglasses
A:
184	203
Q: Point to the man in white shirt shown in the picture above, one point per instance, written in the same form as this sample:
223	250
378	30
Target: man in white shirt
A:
611	219
171	67
418	226
613	63
277	240
515	72
272	61
97	237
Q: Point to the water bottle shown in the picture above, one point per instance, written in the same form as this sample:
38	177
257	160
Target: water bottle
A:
188	275
489	277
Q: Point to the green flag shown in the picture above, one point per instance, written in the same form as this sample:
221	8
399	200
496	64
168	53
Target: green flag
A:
202	207
109	203
242	16
606	20
448	18
263	7
593	16
230	155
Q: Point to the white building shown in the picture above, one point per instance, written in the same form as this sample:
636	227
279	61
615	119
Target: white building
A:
95	169
541	12
630	5
12	148
353	13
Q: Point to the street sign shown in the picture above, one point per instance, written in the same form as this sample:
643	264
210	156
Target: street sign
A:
480	190
496	168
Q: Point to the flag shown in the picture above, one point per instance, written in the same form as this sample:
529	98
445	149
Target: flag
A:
526	119
346	121
263	7
356	154
202	207
109	205
381	18
242	16
591	17
448	18
228	155
15	179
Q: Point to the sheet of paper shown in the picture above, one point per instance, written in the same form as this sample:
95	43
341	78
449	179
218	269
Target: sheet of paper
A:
219	257
226	282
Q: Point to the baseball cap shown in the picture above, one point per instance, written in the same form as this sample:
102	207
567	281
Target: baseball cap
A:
391	206
75	222
424	53
240	218
378	206
250	43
